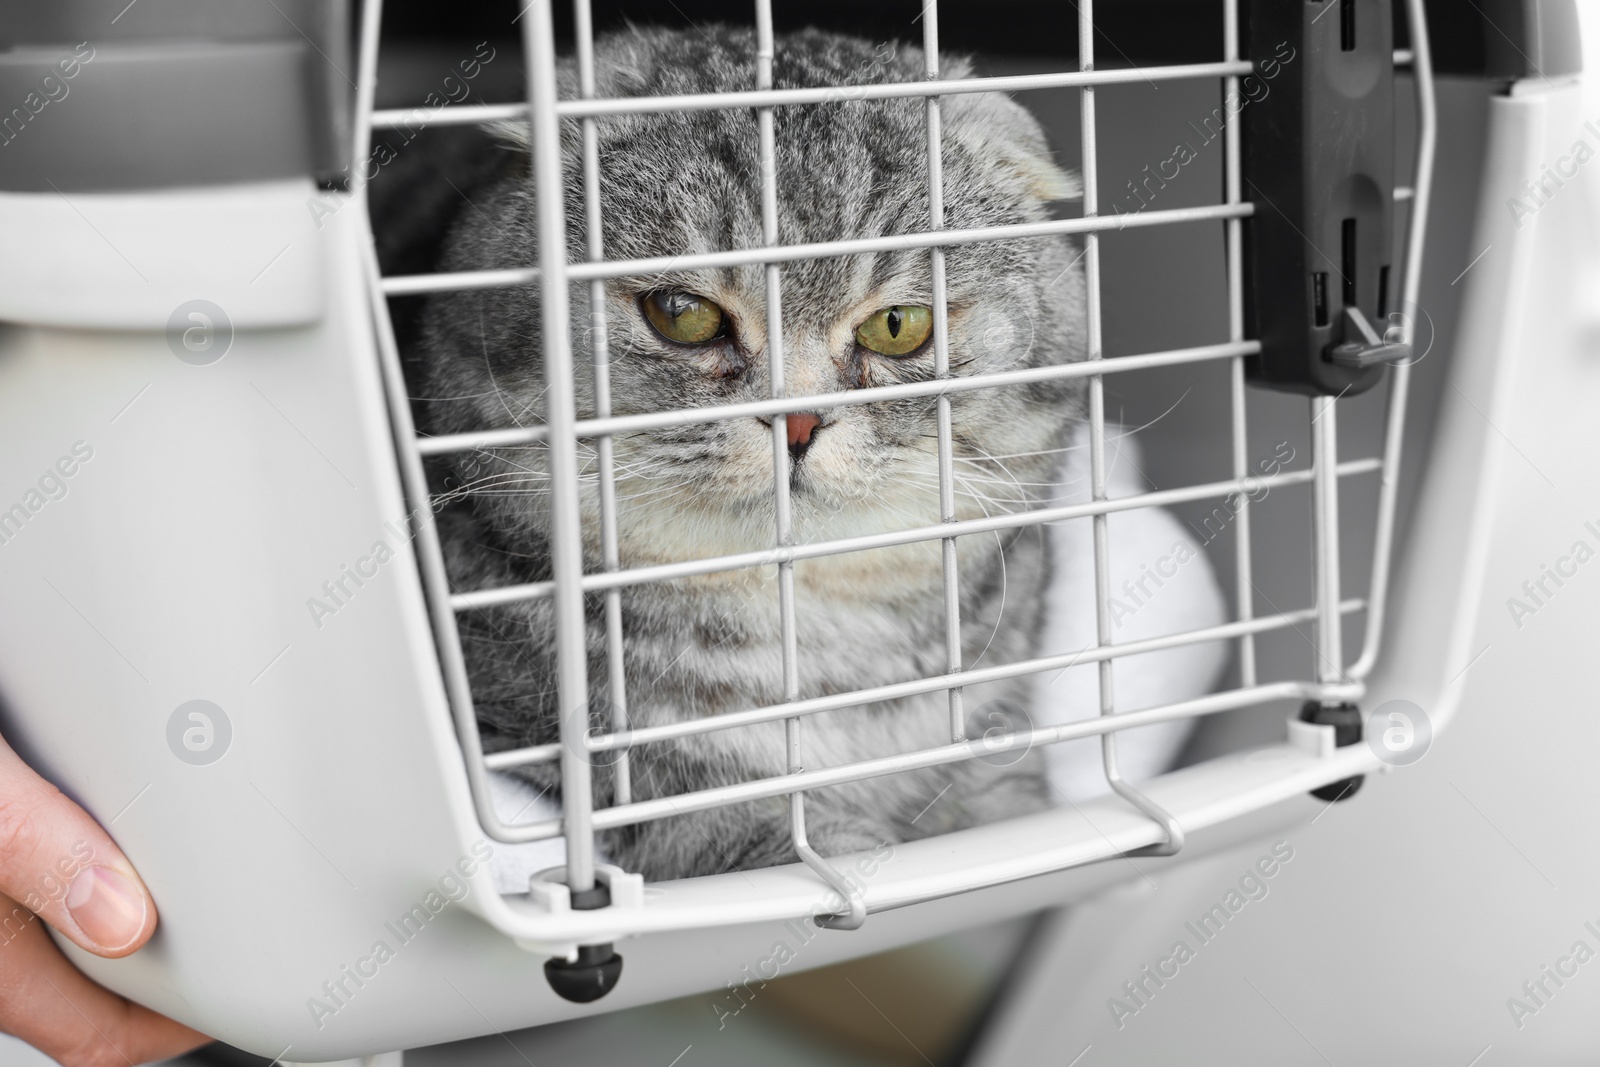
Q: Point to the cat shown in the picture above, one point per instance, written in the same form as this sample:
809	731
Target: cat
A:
687	182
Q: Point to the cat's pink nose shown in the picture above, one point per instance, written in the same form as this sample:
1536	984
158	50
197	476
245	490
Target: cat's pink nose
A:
801	426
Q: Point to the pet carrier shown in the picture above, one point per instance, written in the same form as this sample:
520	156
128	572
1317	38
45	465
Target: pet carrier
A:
206	428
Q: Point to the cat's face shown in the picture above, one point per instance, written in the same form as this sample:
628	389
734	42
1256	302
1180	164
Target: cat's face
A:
690	182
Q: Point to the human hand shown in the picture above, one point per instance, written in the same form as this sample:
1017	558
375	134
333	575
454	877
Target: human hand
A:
57	864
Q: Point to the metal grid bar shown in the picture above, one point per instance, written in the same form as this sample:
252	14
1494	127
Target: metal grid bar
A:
916	687
510	277
1325	536
1244	579
720	796
564	430
782	472
657	420
475	114
410	285
455	281
561	450
594	224
1097	445
1421	58
429	552
815	549
953	753
950	574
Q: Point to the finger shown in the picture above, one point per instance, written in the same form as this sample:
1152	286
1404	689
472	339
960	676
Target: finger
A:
59	863
52	1006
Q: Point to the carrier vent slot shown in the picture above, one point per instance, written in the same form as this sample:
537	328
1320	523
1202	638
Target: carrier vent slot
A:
1347	264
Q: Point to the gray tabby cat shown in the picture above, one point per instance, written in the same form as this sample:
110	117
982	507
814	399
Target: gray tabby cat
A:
690	182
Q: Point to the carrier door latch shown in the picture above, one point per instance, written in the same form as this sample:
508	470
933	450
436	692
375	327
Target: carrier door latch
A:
1317	140
1362	347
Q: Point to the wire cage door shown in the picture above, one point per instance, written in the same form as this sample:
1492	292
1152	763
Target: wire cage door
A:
588	902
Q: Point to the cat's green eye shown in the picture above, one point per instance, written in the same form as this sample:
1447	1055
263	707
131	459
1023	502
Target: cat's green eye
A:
894	331
684	317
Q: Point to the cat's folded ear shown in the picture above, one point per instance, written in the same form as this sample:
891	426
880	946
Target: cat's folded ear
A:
997	128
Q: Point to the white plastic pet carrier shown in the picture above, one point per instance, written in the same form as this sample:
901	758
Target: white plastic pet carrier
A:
308	799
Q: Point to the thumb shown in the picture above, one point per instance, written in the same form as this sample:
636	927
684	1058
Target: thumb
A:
61	865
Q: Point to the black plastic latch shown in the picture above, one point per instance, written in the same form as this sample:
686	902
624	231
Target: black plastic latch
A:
1346	722
1317	140
597	969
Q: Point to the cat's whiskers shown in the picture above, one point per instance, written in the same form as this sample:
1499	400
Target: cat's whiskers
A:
1009	477
488	366
982	489
491	483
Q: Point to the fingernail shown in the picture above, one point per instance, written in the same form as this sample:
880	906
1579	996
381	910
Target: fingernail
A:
107	907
